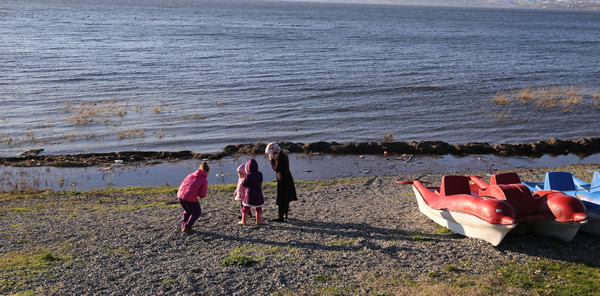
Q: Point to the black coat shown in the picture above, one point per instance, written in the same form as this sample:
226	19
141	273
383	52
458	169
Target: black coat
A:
286	190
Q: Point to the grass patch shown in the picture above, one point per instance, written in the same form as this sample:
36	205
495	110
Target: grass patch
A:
165	190
160	205
252	253
8	196
548	277
322	278
239	257
421	237
30	292
285	253
121	251
340	243
223	188
19	269
238	260
333	290
452	268
396	282
532	277
132	190
19	210
443	230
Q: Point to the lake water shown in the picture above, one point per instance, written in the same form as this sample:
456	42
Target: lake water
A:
95	76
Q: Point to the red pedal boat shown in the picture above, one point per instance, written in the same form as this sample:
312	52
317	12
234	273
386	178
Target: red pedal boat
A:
474	208
549	213
453	206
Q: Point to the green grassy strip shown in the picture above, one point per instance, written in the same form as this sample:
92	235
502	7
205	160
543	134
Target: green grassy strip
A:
20	268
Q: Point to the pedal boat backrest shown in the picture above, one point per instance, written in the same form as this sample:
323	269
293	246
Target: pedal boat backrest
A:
452	185
559	181
595	186
508	186
505	178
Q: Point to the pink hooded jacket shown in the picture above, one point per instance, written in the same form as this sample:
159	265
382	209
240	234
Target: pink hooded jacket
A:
240	191
193	186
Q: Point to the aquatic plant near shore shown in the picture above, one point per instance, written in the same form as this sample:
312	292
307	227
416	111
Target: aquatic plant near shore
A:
526	95
193	117
388	137
131	134
501	98
102	114
596	99
504	114
548	98
89	112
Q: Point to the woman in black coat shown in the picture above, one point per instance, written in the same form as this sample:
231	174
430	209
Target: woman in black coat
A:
286	190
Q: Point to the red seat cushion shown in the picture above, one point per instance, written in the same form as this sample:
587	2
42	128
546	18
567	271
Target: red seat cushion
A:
505	178
452	185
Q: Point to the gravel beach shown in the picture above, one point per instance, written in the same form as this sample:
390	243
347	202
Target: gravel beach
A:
352	236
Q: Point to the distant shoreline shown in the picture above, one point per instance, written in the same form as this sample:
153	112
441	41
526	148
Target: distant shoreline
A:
554	146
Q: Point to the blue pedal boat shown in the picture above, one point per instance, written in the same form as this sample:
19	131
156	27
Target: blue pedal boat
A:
588	193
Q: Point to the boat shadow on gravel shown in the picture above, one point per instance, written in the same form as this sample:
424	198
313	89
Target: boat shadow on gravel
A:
584	248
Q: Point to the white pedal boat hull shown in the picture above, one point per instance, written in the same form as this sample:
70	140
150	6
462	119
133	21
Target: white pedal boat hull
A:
465	224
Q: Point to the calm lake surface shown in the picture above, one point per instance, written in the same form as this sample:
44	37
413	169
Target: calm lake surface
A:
99	76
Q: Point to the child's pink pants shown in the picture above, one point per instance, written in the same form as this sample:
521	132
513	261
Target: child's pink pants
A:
246	210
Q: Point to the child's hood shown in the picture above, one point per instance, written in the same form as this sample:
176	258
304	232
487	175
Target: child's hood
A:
242	169
251	166
200	173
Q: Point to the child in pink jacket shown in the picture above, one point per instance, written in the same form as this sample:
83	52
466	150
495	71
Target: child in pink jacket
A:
193	186
240	190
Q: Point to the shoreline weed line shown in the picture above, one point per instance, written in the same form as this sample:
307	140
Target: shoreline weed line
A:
163	189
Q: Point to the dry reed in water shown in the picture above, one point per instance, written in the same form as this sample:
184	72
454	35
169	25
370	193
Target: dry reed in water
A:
526	95
549	97
596	100
501	98
131	134
103	111
504	114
